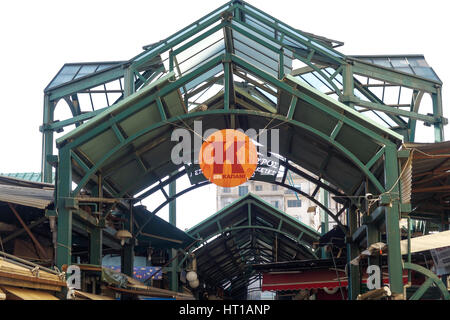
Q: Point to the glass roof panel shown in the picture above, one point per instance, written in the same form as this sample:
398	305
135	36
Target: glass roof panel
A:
406	69
85	70
426	73
67	70
416	65
263	28
70	72
399	62
293	43
418	62
381	62
259	55
240	25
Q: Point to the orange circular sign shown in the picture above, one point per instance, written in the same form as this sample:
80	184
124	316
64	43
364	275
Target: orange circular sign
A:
228	158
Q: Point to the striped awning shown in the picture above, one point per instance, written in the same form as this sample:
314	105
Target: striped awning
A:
312	279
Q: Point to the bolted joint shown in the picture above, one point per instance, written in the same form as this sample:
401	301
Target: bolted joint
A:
386	200
71	204
52	160
227	16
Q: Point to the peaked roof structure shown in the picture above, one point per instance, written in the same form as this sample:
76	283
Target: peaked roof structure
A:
249	231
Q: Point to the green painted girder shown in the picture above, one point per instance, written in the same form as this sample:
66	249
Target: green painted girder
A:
248	218
394	111
178	83
64	123
373	98
392	218
179	37
216	16
431	279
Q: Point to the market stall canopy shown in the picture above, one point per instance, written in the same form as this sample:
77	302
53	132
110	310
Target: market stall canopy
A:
158	233
27	193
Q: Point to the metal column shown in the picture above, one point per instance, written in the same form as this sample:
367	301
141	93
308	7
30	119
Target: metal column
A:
64	207
354	286
324	219
95	246
392	202
173	221
47	140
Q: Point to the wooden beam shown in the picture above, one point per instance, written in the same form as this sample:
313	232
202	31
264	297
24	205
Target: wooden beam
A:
91	199
159	237
21	231
35	241
432	189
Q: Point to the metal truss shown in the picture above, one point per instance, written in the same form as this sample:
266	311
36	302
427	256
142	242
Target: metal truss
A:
250	74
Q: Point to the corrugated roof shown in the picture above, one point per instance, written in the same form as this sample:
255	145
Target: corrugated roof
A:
430	198
28	176
26	193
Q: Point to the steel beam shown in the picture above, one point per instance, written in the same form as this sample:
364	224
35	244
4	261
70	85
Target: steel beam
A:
354	285
40	250
392	218
173	221
47	140
95	246
63	188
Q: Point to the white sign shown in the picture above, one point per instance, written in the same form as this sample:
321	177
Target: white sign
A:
441	258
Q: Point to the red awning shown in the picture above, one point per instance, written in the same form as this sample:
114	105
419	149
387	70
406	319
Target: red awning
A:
312	279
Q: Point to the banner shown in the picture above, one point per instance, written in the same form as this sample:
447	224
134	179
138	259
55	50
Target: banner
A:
266	170
441	258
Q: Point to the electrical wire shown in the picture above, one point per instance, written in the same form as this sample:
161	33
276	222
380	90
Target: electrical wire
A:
337	273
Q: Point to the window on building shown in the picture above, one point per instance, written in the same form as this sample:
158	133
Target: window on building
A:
276	204
294	203
274	187
258	187
289	191
243	190
226	190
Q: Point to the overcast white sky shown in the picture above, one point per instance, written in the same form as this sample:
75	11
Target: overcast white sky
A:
38	37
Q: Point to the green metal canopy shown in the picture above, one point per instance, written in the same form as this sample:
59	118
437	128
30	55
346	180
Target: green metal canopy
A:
248	231
158	233
132	138
238	67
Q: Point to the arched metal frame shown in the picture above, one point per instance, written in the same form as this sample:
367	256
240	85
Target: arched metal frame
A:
387	148
242	227
124	142
66	154
181	173
202	184
230	229
431	279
